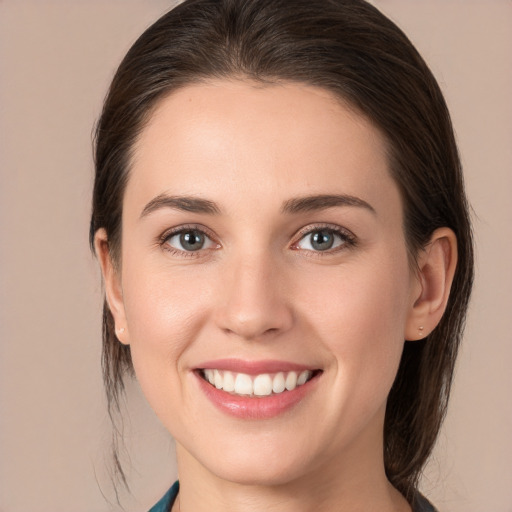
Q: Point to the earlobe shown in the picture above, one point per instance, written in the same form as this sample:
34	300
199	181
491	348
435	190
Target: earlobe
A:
436	268
113	289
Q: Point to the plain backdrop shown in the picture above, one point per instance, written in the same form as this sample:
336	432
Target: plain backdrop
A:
56	60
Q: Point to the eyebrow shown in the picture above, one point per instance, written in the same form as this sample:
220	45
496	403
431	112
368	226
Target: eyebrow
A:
291	206
322	202
183	203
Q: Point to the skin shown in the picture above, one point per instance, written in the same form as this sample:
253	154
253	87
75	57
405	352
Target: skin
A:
258	290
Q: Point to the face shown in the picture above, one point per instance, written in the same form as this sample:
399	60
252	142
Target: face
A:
262	243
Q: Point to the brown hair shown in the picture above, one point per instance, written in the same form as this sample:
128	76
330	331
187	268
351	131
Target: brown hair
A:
349	48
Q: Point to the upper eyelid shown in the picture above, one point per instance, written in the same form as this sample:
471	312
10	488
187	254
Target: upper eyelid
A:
310	228
187	227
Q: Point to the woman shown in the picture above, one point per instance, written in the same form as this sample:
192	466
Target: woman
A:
278	205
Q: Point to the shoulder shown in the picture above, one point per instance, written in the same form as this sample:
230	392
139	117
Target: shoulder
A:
165	504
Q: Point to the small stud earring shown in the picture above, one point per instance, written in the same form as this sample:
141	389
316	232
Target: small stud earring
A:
421	330
121	330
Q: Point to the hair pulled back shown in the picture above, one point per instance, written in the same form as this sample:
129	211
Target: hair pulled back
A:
349	48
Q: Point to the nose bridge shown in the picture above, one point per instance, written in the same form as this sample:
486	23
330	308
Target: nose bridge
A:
254	302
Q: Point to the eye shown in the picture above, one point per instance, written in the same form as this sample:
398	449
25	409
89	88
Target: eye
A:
324	239
188	240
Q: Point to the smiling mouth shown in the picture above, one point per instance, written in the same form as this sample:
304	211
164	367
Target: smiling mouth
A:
262	385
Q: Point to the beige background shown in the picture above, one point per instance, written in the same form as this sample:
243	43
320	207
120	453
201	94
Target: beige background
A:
56	59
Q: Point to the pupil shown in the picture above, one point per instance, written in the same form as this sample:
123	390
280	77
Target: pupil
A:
322	240
192	240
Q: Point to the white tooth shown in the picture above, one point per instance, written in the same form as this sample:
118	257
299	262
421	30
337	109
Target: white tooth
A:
263	385
291	381
218	380
243	384
278	384
209	376
303	377
229	382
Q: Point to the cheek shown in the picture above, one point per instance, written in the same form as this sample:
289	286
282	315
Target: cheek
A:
164	315
360	319
163	304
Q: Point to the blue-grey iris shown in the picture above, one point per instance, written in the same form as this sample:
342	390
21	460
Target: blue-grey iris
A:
192	240
322	240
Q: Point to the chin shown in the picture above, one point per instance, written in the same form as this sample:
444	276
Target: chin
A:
247	472
254	462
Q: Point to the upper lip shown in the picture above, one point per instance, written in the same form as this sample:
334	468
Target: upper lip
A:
254	367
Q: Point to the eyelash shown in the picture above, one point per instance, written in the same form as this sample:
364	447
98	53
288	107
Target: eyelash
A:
348	239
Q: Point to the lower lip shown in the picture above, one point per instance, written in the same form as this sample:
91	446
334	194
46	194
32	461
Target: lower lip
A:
256	407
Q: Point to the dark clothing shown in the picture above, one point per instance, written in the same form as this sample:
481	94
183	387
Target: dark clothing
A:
420	503
165	504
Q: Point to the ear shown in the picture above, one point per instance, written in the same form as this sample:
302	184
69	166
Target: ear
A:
112	281
436	268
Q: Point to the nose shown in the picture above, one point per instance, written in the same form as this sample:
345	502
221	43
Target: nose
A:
253	304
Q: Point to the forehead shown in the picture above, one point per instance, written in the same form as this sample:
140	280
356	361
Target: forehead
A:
260	141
